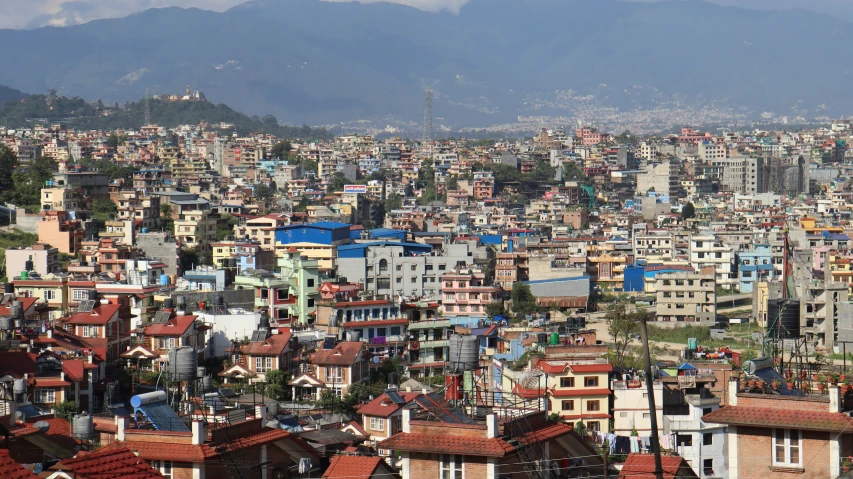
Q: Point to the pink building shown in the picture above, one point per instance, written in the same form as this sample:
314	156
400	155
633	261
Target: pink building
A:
57	230
465	295
591	136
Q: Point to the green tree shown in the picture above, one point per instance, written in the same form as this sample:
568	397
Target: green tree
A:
393	202
523	300
329	401
572	172
544	172
623	326
28	181
309	165
276	386
338	182
688	211
112	141
280	150
622	138
452	184
265	194
103	209
8	164
495	309
66	410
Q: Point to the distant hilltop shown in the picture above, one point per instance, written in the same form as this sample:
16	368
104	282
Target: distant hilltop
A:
190	95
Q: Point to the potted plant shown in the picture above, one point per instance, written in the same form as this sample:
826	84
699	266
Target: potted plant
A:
743	383
789	384
821	387
789	374
842	377
847	464
751	383
775	384
761	383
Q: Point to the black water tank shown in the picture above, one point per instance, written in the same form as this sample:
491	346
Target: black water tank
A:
783	318
92	295
10	288
580	322
168	304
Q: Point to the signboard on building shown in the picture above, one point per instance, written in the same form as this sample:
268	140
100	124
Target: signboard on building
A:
357	189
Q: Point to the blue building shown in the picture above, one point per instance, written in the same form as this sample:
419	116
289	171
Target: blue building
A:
752	266
634	279
324	232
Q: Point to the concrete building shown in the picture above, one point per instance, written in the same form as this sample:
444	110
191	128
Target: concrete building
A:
196	229
390	267
686	297
44	257
143	210
464	295
707	250
162	246
631	406
663	177
60	231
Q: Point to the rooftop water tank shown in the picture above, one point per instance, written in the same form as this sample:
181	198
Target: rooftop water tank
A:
84	428
147	398
144	230
164	280
6	323
19	386
554	338
757	364
168	304
464	353
16	310
183	363
92	295
272	408
9	288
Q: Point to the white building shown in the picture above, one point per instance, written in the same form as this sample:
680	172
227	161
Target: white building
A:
702	445
631	406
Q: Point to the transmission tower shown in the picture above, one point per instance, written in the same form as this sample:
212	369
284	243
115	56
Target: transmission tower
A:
147	109
427	136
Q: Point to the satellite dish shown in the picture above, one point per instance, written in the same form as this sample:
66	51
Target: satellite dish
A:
42	426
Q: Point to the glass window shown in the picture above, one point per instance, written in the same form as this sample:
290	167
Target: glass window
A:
707	439
568	405
567	382
377	424
590	382
593	405
786	448
452	466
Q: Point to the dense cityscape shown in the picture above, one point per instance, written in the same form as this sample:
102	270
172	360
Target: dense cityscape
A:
539	239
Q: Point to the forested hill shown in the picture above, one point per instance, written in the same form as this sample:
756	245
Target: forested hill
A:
10	94
80	114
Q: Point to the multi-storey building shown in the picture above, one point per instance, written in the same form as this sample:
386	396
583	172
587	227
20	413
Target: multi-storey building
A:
465	295
689	297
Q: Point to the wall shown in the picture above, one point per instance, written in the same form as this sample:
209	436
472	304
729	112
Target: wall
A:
755	455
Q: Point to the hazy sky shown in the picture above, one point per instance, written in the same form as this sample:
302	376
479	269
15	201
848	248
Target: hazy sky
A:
35	13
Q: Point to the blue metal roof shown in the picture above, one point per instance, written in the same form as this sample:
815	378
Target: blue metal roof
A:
355	246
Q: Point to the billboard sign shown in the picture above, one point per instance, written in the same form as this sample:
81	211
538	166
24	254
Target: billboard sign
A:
357	189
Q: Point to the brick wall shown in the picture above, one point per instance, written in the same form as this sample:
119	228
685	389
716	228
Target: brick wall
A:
444	429
755	455
790	403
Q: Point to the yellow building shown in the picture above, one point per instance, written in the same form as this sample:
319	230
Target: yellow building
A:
324	254
196	229
50	290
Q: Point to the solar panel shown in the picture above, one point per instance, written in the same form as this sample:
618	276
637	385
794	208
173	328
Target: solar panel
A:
316	417
6	298
259	336
118	410
161	317
86	306
163	417
394	396
227	393
329	343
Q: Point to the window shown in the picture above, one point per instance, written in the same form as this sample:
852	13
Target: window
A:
45	395
165	468
590	382
90	331
707	410
452	466
263	365
377	424
786	448
165	343
568	405
567	382
80	295
383	283
708	467
593	405
383	265
334	373
593	425
399	267
414	267
684	440
707	439
49	294
442	267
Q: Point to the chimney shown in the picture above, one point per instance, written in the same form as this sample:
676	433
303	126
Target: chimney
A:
198	433
492	428
834	398
732	392
121	425
407	417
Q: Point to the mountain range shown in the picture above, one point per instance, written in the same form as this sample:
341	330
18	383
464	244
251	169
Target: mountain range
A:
325	62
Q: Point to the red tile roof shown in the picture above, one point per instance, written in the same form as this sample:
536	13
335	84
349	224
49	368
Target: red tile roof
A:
642	466
272	346
384	407
176	326
591	368
9	469
107	463
73	369
779	417
27	303
344	353
16	363
354	467
446	444
99	315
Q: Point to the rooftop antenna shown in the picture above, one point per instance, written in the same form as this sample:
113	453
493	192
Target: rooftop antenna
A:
147	109
427	134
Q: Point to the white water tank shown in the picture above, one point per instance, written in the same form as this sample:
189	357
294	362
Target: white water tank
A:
84	428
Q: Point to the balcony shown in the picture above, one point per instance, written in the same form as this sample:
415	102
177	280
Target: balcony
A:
675	423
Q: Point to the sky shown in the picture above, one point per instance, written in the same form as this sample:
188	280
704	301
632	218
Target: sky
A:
37	13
